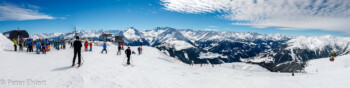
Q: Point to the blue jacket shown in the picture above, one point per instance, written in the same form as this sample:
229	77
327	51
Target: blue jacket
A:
104	46
29	43
38	45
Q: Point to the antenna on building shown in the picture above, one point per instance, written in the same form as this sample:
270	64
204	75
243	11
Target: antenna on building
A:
75	31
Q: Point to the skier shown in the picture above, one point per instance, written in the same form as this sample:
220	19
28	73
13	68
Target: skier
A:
71	44
86	46
104	48
38	46
28	45
140	50
47	45
122	46
64	44
119	48
20	43
61	44
32	45
57	45
77	51
128	53
333	55
15	44
90	46
43	48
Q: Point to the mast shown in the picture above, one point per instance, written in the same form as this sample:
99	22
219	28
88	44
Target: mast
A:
75	31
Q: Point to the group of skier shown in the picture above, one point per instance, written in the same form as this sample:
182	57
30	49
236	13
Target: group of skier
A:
86	45
77	45
41	45
59	44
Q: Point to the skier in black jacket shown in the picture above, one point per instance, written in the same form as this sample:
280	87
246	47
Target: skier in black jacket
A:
77	50
128	53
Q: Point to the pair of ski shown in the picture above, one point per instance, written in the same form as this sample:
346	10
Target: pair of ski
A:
131	65
78	65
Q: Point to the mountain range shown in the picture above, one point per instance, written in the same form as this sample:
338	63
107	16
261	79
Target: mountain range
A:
276	52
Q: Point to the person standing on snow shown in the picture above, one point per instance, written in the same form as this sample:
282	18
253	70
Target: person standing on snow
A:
47	45
122	46
77	51
43	49
104	48
15	44
119	48
20	44
333	56
140	50
57	45
90	46
128	53
32	45
38	46
64	44
71	44
28	45
86	46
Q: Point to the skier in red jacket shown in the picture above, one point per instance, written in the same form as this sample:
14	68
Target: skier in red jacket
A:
86	46
90	46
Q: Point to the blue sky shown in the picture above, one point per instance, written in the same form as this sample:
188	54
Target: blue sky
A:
48	16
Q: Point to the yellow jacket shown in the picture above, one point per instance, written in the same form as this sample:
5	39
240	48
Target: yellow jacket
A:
14	41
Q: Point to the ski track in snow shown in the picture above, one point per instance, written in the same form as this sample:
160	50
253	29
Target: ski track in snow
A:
153	69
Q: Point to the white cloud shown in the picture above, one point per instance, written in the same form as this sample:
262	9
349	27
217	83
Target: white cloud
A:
212	26
12	12
211	29
329	15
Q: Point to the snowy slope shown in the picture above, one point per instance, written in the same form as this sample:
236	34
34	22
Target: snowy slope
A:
323	65
5	43
152	69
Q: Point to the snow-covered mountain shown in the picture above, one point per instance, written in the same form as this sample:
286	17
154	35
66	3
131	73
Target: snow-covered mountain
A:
133	37
301	49
172	38
273	51
230	36
92	34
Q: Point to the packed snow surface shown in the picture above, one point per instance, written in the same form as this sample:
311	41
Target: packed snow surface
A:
5	43
153	69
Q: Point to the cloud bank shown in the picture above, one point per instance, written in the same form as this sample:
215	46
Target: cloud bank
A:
328	15
10	12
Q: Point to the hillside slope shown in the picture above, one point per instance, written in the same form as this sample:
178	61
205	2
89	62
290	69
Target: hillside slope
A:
152	69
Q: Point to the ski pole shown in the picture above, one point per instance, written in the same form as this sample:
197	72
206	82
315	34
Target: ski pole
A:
131	60
82	57
123	60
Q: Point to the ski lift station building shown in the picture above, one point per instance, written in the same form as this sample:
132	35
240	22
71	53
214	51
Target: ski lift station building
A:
16	34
